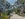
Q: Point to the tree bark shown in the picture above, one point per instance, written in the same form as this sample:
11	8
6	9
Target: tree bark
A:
21	12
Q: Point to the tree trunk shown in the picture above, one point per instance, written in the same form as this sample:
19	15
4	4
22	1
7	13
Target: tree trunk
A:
0	13
21	12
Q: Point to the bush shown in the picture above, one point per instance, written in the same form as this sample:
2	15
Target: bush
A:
17	11
4	16
9	11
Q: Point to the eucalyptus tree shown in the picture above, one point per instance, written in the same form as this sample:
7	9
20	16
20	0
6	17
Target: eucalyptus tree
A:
7	4
21	5
2	6
22	2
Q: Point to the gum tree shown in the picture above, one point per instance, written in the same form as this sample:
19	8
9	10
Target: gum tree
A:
1	6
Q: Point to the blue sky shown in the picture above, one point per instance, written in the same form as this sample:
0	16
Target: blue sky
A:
11	1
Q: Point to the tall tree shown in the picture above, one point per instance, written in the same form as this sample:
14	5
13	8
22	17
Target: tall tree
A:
1	6
22	5
7	4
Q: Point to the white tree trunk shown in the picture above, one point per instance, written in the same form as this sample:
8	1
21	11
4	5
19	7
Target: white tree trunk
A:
21	12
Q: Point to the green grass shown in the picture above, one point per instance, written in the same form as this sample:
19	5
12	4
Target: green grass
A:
4	15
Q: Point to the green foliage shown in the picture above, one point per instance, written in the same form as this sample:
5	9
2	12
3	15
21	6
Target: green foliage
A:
17	10
23	0
4	15
9	11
